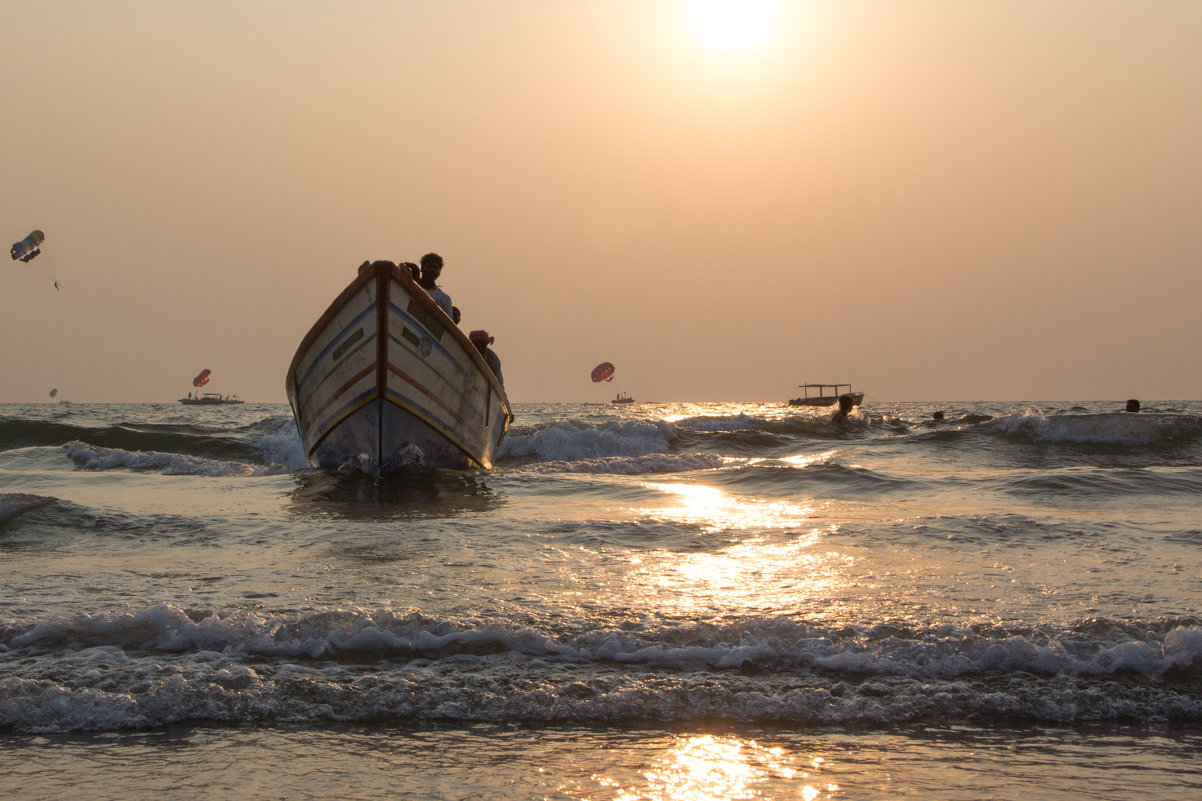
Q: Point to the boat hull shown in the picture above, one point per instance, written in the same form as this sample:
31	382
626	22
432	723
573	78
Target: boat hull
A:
210	399
827	400
385	379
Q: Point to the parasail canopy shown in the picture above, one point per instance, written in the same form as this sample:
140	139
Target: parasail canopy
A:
54	392
28	247
603	372
202	378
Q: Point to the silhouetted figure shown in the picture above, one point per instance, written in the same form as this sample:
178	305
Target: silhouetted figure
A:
937	415
431	270
1133	405
845	406
482	340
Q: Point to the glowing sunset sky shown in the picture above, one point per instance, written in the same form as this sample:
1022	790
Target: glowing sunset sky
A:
932	200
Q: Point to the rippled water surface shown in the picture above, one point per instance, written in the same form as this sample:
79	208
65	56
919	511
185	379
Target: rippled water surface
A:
648	601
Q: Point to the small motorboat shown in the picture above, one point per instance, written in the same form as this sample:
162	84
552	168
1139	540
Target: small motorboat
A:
210	399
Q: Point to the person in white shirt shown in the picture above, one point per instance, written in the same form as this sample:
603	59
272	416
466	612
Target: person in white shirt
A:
431	269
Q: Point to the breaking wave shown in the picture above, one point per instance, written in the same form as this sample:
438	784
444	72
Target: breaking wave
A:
372	666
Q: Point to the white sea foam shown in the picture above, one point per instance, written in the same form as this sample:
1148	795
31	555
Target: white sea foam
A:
92	457
355	664
282	445
769	644
1118	428
737	422
565	442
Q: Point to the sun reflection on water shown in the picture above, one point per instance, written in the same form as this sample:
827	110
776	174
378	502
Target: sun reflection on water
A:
714	510
708	768
757	570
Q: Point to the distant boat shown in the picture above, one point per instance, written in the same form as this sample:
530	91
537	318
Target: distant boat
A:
386	376
622	399
820	396
209	399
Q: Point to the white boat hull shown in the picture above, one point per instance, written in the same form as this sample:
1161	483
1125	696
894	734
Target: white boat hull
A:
385	379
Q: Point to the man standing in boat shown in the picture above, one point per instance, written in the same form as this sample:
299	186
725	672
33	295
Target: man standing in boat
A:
431	269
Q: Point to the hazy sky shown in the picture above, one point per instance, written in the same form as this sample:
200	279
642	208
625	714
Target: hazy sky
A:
932	200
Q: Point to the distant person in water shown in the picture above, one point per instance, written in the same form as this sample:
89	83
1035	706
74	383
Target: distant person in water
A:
1133	405
937	415
431	270
845	405
482	340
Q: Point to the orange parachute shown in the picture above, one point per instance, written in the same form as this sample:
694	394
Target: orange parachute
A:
201	379
603	372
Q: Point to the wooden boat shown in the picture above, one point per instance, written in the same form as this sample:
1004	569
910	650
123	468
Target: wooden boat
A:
210	399
622	399
385	378
823	398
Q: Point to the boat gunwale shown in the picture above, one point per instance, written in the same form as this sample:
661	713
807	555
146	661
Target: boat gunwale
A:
381	271
367	272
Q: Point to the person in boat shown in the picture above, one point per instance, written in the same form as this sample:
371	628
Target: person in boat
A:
845	406
431	270
482	340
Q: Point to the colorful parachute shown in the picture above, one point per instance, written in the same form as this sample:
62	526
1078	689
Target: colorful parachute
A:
603	372
201	379
28	247
54	392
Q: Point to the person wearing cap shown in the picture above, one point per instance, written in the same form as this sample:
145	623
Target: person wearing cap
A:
482	340
431	269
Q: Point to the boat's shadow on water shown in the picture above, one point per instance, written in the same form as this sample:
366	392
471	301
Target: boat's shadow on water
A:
410	492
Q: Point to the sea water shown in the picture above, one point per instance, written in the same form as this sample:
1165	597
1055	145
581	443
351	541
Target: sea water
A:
646	601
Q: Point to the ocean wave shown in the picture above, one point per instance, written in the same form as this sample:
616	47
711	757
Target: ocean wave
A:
1094	647
1117	428
14	505
1103	483
575	441
44	522
278	443
735	422
90	457
166	665
630	465
820	475
182	439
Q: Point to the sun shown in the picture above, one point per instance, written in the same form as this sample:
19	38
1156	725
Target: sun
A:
735	27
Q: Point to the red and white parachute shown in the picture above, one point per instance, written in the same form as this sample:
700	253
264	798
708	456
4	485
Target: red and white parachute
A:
202	379
603	372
